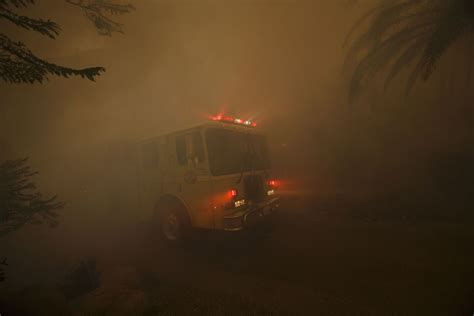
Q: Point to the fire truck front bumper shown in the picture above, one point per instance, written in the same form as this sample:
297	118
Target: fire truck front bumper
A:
251	215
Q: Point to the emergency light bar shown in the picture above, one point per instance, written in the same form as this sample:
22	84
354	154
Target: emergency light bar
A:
233	120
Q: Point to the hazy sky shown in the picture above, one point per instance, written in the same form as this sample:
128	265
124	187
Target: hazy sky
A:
278	62
181	60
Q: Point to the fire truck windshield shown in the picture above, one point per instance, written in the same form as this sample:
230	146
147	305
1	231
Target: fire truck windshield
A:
235	152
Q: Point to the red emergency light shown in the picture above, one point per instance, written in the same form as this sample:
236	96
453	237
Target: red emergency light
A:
233	193
233	120
272	183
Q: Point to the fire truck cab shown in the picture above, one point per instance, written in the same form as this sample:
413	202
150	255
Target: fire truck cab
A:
215	175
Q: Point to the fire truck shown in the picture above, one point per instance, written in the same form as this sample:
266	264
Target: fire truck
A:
215	175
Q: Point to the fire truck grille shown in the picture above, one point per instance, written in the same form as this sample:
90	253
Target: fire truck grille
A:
254	188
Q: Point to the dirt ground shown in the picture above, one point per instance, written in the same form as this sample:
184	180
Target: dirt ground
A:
312	260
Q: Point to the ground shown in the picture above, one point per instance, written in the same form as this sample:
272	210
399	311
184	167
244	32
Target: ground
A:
316	259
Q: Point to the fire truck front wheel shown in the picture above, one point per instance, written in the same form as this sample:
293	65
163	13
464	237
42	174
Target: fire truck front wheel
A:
173	222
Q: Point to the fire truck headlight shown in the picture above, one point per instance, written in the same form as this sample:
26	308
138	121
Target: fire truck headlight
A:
239	203
271	192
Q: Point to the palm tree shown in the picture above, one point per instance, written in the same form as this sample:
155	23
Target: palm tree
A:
401	33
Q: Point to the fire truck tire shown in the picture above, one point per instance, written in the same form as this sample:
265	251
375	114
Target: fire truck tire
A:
173	222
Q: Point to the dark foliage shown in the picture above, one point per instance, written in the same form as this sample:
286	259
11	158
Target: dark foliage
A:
41	26
401	33
3	262
19	65
16	3
82	279
20	202
97	12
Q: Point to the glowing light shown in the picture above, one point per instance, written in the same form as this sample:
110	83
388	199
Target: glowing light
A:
271	192
233	193
272	183
239	203
233	120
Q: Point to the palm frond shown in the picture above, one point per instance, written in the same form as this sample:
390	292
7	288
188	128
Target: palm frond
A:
450	27
435	25
405	59
386	50
360	22
390	16
386	19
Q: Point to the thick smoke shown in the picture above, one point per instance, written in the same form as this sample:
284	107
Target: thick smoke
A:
278	62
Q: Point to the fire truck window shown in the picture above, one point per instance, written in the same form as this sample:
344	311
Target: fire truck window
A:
198	146
233	152
189	146
150	156
181	150
227	151
260	153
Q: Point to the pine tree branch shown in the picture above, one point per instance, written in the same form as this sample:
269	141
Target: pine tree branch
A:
20	203
96	10
19	65
16	3
48	28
